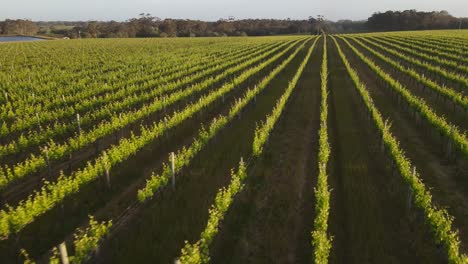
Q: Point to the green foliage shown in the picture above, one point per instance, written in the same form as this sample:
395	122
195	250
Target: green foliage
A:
438	219
87	240
199	251
449	93
429	64
15	219
426	112
119	120
25	256
184	156
321	241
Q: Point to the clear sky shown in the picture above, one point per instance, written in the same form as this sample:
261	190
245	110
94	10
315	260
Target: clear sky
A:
214	9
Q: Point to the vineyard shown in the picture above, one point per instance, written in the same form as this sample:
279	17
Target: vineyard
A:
288	149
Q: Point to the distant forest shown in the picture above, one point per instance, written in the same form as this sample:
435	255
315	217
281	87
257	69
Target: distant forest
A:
146	25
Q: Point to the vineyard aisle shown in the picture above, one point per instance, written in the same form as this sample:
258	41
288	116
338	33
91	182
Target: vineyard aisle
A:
445	178
271	220
368	220
182	215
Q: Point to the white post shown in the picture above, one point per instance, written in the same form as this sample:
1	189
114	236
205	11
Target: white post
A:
410	190
449	143
46	156
201	109
165	126
78	123
38	121
63	253
108	178
173	169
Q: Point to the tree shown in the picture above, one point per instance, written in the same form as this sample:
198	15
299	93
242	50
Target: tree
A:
169	27
19	27
92	29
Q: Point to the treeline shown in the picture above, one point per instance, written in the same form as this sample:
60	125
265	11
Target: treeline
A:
414	20
146	25
18	27
149	26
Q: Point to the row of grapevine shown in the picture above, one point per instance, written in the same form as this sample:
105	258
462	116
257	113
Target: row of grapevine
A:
427	65
129	103
438	219
14	219
54	151
423	44
86	86
198	252
85	241
131	94
186	154
433	56
439	123
321	241
450	94
134	68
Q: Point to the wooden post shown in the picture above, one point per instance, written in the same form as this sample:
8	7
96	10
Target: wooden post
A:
382	143
201	109
449	143
173	169
96	144
70	157
410	191
393	167
38	122
165	126
108	178
418	117
164	104
119	135
46	157
78	123
63	253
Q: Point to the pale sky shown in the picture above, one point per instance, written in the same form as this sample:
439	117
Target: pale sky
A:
211	10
